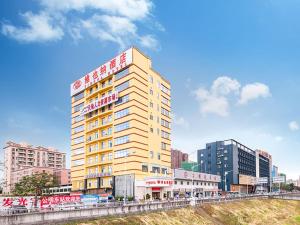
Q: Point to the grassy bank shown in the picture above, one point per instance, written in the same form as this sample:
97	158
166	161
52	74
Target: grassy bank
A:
251	212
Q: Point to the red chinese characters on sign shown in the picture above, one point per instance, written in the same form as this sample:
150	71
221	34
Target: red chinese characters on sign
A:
122	58
159	183
87	79
48	201
100	103
22	201
111	67
7	202
112	64
102	69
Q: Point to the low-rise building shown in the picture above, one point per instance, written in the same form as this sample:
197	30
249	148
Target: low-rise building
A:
187	182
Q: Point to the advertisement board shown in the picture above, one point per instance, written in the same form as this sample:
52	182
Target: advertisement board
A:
277	180
113	66
262	180
89	199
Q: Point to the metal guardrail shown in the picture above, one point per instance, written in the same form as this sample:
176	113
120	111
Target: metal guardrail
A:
166	204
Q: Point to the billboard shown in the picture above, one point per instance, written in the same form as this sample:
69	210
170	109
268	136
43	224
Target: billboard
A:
262	180
113	66
277	180
247	180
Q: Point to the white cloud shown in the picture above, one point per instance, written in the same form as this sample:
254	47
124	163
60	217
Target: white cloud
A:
108	21
39	29
210	103
253	91
150	42
216	100
225	85
180	121
294	126
132	9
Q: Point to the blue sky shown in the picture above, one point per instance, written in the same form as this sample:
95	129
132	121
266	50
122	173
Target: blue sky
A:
233	65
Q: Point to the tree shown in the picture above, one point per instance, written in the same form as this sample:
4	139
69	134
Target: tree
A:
34	184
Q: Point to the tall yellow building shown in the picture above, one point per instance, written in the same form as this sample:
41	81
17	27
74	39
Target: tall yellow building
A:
120	138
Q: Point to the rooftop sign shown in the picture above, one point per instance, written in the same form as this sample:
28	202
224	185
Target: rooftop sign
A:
113	66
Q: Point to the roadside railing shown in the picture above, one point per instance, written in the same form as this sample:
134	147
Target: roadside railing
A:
165	204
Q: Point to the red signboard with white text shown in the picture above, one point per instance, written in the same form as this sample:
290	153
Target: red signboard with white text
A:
100	103
113	66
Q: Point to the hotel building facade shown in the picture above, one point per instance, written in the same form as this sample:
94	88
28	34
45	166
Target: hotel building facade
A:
121	128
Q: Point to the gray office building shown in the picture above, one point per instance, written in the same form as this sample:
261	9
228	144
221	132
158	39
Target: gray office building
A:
233	161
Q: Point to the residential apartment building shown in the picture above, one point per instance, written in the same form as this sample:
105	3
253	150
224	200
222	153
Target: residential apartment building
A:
18	157
233	161
120	126
177	157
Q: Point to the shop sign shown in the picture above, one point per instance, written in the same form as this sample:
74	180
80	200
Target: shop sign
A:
158	183
96	175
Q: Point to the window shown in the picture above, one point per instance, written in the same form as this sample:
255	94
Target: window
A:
121	153
150	79
163	146
79	96
122	140
121	113
165	123
164	89
151	104
175	182
158	156
110	143
78	151
151	91
122	126
151	154
122	100
144	168
155	169
121	74
78	162
165	100
110	156
164	171
181	182
165	134
78	107
165	112
78	140
151	129
122	86
78	129
78	118
151	117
